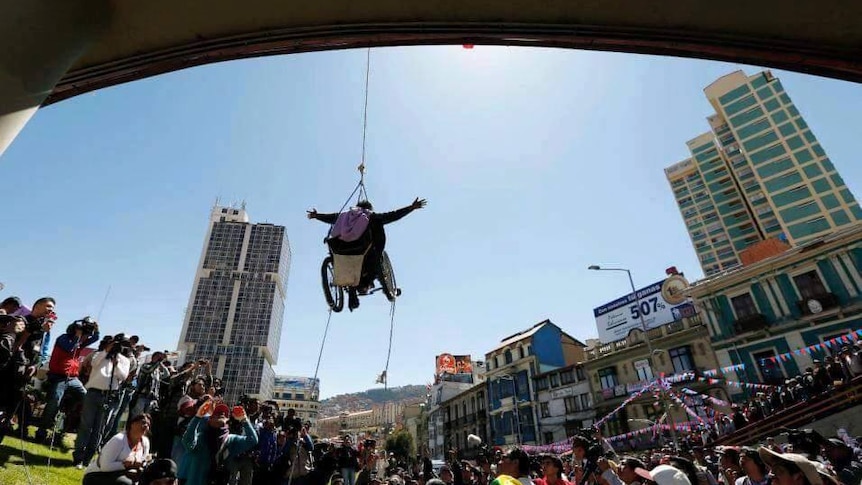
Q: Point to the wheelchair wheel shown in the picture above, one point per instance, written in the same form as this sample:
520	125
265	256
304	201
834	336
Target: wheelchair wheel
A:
387	278
333	293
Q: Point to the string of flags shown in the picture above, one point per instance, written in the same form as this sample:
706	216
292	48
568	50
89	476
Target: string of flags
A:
723	370
739	384
828	345
712	400
620	407
686	426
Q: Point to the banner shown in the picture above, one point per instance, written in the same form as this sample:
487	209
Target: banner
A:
833	344
659	303
454	364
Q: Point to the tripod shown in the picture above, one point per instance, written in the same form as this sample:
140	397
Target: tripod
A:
109	409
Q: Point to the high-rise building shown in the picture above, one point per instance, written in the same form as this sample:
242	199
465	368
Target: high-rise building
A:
236	305
759	173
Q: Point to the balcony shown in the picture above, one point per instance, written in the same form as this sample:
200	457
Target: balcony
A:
817	304
750	323
689	320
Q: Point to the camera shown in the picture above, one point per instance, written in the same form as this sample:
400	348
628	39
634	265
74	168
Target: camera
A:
121	346
87	325
370	444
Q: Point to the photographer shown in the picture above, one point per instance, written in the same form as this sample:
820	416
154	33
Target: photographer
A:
10	359
150	378
63	370
109	369
123	457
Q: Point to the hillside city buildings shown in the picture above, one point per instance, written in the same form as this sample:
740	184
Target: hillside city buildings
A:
236	305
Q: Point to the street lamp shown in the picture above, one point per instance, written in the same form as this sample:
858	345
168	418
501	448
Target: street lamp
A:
652	352
511	378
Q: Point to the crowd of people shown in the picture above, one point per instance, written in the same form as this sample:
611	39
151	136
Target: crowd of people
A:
179	429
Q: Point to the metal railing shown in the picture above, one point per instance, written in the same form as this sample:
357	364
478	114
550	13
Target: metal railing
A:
800	414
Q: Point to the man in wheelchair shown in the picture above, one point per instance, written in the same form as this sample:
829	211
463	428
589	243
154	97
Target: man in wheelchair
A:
343	239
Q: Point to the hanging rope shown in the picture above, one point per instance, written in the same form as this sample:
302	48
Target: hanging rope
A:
314	388
389	351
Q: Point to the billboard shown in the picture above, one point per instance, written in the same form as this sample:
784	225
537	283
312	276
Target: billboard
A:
454	364
660	303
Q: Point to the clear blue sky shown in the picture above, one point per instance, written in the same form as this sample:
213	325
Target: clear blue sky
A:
536	163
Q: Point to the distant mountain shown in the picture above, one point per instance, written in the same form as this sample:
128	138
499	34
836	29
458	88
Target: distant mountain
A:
361	401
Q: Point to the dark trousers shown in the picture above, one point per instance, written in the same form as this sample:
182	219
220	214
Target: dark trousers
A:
107	478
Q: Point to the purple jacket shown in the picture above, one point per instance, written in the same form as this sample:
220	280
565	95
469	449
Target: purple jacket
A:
350	225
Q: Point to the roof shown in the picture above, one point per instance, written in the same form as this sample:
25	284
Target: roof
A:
137	39
712	282
525	334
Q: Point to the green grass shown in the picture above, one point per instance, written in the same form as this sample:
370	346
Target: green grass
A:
13	471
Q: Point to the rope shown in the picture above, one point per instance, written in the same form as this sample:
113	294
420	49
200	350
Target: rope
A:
365	109
314	381
389	351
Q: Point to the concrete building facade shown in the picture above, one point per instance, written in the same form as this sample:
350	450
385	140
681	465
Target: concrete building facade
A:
802	297
510	369
236	305
621	368
565	402
300	394
465	414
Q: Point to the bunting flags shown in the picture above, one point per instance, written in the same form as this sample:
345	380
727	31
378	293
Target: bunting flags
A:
831	344
723	370
620	407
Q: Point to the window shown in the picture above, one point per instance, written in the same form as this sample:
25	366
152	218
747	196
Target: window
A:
555	380
608	377
567	376
586	401
809	285
571	404
681	359
769	367
520	352
545	410
743	305
508	356
549	437
643	370
579	371
542	383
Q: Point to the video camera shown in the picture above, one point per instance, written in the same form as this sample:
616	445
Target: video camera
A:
122	346
586	437
87	325
805	441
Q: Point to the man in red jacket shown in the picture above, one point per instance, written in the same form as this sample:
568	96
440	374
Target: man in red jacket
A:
63	370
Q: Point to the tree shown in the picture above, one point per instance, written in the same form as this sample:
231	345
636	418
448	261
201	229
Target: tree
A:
401	445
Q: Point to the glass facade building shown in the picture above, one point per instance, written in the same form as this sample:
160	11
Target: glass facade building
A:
759	173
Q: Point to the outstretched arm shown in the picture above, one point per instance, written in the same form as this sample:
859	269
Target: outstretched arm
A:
327	218
388	217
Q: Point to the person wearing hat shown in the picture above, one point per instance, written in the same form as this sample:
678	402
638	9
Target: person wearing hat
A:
160	472
664	475
790	468
210	445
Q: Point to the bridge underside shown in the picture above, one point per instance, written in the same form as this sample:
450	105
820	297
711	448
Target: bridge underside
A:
57	49
143	39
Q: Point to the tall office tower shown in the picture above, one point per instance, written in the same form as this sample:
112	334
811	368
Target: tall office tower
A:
759	173
237	302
